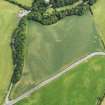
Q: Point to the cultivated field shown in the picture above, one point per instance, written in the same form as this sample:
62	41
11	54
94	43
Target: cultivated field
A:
81	86
8	22
99	15
49	49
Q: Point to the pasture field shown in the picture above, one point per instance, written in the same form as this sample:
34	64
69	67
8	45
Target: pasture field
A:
50	49
99	16
25	2
8	22
81	86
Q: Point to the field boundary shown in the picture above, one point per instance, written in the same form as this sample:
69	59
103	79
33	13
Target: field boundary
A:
18	4
46	82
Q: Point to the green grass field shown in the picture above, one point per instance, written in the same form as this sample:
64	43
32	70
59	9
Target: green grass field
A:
8	22
99	15
52	48
25	2
81	86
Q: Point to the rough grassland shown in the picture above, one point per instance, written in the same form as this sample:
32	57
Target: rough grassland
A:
52	48
99	15
8	22
81	86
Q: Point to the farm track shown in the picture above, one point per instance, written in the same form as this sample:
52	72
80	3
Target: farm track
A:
44	83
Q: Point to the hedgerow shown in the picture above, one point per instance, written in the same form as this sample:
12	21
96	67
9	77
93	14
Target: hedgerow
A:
18	4
17	45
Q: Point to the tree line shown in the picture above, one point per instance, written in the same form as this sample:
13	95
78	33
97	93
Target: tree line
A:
39	14
47	19
61	3
90	2
17	45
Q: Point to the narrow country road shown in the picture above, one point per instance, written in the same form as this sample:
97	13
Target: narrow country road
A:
53	78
